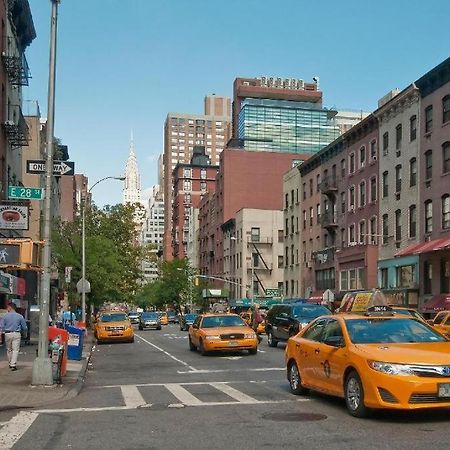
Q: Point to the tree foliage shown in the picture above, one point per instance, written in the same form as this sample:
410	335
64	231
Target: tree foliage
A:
113	256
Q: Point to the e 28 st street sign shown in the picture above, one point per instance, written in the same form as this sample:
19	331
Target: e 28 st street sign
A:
37	166
25	193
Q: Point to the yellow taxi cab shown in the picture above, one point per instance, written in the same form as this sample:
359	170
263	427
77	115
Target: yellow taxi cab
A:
441	322
247	317
163	318
113	326
224	332
407	311
373	359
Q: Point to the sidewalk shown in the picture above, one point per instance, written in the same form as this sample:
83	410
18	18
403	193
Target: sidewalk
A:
16	390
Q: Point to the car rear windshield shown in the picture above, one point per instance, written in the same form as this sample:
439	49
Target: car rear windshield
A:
310	311
222	321
190	316
149	316
386	330
113	318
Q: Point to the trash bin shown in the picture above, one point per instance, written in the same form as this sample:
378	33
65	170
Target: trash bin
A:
57	334
75	343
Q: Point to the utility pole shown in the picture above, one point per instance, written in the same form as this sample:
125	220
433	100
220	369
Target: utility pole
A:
42	365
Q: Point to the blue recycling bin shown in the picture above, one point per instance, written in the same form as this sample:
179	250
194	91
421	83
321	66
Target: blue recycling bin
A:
75	343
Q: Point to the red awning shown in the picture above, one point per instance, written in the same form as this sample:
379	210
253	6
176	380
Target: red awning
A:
424	247
437	303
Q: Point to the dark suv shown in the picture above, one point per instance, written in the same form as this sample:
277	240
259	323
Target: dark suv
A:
284	321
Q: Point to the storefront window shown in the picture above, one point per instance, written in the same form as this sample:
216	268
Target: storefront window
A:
352	279
362	278
344	281
427	276
384	278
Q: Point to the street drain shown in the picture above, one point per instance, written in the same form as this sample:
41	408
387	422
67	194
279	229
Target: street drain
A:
293	417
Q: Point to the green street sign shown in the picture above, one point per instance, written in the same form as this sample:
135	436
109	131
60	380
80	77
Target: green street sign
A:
272	292
25	193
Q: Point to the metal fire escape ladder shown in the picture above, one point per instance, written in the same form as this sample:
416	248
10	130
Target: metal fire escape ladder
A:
261	256
16	65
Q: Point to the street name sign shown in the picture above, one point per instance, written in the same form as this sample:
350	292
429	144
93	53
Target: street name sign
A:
37	166
272	292
25	193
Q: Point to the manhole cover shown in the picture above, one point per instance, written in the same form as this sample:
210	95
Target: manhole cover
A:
293	417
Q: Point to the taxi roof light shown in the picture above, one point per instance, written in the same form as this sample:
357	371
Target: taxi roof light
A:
367	302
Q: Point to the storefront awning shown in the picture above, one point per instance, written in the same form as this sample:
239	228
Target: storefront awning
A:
424	247
437	303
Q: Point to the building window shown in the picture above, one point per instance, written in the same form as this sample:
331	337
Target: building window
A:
296	224
373	150
445	278
318	182
406	276
385	184
412	221
398	136
384	278
373	189
342	202
412	172
412	128
203	174
428	165
343	168
311	216
286	257
304	191
187	173
427	276
187	185
373	230
292	225
362	156
286	226
351	198
446	109
351	163
446	157
342	237
428	118
203	186
286	201
398	225
446	212
362	194
280	236
351	234
385	229
398	178
362	232
280	261
385	143
428	216
292	197
304	219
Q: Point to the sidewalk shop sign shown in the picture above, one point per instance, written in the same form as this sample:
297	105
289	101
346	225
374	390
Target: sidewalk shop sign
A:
9	284
14	217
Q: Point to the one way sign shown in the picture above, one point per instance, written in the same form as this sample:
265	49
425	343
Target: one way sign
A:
59	167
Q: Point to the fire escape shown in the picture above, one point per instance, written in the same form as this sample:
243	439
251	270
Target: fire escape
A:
258	256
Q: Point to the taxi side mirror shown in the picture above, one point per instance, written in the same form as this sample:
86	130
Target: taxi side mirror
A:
334	341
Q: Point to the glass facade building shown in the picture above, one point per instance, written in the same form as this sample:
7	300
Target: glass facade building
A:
286	126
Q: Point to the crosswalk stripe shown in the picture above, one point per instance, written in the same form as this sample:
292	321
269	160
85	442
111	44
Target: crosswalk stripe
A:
16	428
132	397
234	393
183	395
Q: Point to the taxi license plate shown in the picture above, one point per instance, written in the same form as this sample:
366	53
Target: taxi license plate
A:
444	390
115	334
232	344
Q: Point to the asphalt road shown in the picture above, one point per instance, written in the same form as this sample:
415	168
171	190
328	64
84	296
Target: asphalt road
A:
156	394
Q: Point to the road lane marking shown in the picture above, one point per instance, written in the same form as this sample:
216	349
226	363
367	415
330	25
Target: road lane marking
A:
93	409
188	383
11	433
192	369
183	395
132	397
234	393
203	371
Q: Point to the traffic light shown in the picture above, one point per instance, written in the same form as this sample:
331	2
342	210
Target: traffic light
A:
196	281
21	253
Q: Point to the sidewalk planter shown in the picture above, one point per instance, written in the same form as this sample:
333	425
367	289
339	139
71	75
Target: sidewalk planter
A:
75	343
53	334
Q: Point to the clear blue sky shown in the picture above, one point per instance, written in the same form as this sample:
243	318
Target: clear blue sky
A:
126	64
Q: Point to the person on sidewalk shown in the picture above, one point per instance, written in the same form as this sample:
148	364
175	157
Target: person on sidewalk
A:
13	326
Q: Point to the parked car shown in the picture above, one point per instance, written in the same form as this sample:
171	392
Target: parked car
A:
186	320
113	326
134	317
172	316
286	320
149	320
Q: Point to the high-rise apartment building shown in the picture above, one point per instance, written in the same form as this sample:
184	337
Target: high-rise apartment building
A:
181	133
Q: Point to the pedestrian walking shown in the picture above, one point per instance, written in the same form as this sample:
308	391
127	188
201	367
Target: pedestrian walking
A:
256	319
13	326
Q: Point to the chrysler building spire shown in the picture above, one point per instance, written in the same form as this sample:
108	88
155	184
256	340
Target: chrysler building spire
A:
132	185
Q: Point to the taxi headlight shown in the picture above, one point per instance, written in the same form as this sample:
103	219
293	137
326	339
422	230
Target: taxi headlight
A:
212	337
390	368
250	336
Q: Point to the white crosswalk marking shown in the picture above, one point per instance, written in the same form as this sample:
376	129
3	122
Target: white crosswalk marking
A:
132	397
16	428
183	395
234	393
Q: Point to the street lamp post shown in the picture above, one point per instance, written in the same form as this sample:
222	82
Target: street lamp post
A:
83	246
42	365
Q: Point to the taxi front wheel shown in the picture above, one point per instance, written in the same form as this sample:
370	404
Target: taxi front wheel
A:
354	395
192	347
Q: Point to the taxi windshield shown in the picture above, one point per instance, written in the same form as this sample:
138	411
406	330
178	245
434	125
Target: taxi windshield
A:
150	315
386	330
113	318
310	311
222	321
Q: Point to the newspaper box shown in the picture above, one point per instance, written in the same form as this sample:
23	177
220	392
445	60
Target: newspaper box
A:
75	343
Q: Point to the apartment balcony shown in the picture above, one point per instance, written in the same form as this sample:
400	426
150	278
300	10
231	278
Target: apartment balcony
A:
16	128
16	65
329	185
329	220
